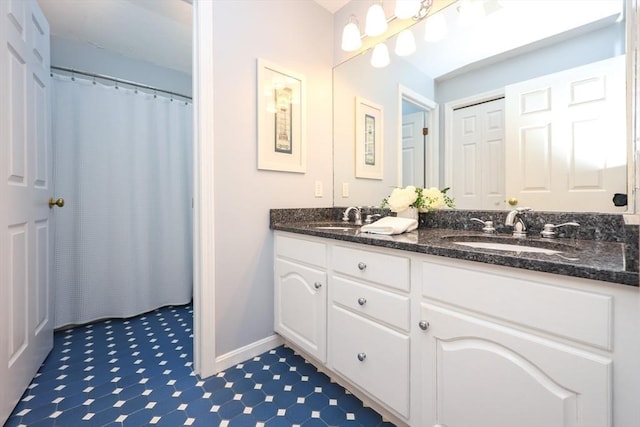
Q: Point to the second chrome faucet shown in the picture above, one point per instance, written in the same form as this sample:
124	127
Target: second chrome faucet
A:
514	219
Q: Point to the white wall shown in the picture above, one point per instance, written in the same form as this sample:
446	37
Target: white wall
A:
82	56
297	35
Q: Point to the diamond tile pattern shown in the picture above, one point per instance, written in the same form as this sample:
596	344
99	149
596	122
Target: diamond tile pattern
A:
138	372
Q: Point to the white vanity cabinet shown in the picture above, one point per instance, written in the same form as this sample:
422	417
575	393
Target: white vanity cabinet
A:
301	293
503	348
438	342
369	317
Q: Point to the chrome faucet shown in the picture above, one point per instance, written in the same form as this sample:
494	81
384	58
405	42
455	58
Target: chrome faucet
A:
514	219
357	215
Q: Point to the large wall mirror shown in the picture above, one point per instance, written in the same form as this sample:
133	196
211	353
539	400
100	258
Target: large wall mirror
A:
526	105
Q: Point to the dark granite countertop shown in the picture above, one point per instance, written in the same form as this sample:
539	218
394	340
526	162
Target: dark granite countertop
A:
602	259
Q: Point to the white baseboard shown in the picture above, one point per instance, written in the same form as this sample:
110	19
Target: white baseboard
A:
247	352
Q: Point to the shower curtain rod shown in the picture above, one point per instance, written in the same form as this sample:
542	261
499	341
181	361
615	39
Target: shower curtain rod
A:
117	80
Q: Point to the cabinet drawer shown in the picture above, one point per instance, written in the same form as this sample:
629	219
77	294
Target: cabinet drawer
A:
314	253
383	371
578	315
385	269
381	305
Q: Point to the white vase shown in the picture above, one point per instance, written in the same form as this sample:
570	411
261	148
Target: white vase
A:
408	213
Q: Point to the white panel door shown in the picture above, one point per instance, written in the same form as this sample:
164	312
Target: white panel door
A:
566	138
413	153
483	374
26	327
478	156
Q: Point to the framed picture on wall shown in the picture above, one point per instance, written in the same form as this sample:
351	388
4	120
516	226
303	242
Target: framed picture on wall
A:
369	139
281	119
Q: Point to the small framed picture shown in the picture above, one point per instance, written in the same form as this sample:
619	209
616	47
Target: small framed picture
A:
281	119
369	139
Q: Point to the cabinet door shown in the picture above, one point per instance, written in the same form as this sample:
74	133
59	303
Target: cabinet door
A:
301	306
482	374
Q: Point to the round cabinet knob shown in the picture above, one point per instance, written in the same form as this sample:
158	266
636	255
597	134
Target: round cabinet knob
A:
362	356
362	300
362	266
424	325
317	285
512	201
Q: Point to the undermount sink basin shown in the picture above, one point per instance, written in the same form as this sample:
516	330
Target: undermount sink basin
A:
509	243
508	247
332	227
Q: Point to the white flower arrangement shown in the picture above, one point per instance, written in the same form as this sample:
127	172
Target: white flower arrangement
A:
424	199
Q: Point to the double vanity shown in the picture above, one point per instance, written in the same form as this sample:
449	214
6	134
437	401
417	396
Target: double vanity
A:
451	326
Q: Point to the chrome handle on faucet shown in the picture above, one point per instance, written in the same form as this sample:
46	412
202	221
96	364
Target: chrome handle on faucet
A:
370	218
488	225
548	231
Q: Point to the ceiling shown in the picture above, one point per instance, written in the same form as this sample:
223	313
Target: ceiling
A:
155	31
332	5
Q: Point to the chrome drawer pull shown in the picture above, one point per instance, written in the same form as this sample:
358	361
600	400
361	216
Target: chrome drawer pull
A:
317	285
424	325
362	300
362	356
362	266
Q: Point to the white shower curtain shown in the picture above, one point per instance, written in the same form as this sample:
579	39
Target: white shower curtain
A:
122	162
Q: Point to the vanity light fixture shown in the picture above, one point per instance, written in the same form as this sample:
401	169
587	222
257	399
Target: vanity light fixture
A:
380	56
405	43
351	35
376	23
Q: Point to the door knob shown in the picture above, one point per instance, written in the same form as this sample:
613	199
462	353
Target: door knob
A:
512	201
59	203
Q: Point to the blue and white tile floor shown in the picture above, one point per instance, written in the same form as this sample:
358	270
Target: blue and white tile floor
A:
138	372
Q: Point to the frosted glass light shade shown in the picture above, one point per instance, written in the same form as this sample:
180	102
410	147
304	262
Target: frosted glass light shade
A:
435	28
405	43
351	36
406	9
376	21
380	56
